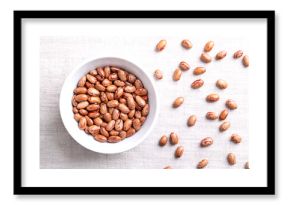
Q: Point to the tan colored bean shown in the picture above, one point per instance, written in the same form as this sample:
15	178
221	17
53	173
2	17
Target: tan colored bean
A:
112	103
208	46
184	66
158	74
107	117
103	108
75	110
82	81
199	70
177	102
93	99
177	74
111	88
119	83
110	126
141	92
223	114
163	140
114	139
89	121
104	97
123	108
140	101
93	114
138	84
220	55
94	129
81	97
107	71
206	58
202	164
89	85
83	112
197	84
131	103
106	82
206	142
246	61
211	116
179	151
100	138
74	102
113	76
101	71
123	116
231	104
145	110
114	132
110	96
127	124
130	132
80	90
77	117
119	92
82	123
186	44
91	78
174	139
122	75
191	121
131	114
138	114
238	54
119	125
130	89
136	124
115	114
231	159
224	126
161	45
104	132
98	121
212	97
235	138
93	107
100	87
131	78
221	84
83	105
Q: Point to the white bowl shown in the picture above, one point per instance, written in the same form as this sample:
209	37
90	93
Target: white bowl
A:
88	141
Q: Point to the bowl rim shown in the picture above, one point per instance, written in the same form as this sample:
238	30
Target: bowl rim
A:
146	132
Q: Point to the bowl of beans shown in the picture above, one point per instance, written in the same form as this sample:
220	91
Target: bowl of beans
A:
108	105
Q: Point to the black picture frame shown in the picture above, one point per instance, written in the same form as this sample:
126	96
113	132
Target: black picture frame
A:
268	190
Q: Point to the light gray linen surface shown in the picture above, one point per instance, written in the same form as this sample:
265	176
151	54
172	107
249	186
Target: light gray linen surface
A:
59	55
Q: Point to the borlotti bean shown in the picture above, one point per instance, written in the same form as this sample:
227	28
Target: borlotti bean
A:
179	151
238	54
186	44
158	74
199	70
231	157
208	46
110	103
246	61
202	164
161	45
163	140
184	66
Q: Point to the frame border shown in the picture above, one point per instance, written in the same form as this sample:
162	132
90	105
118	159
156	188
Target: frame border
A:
268	190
